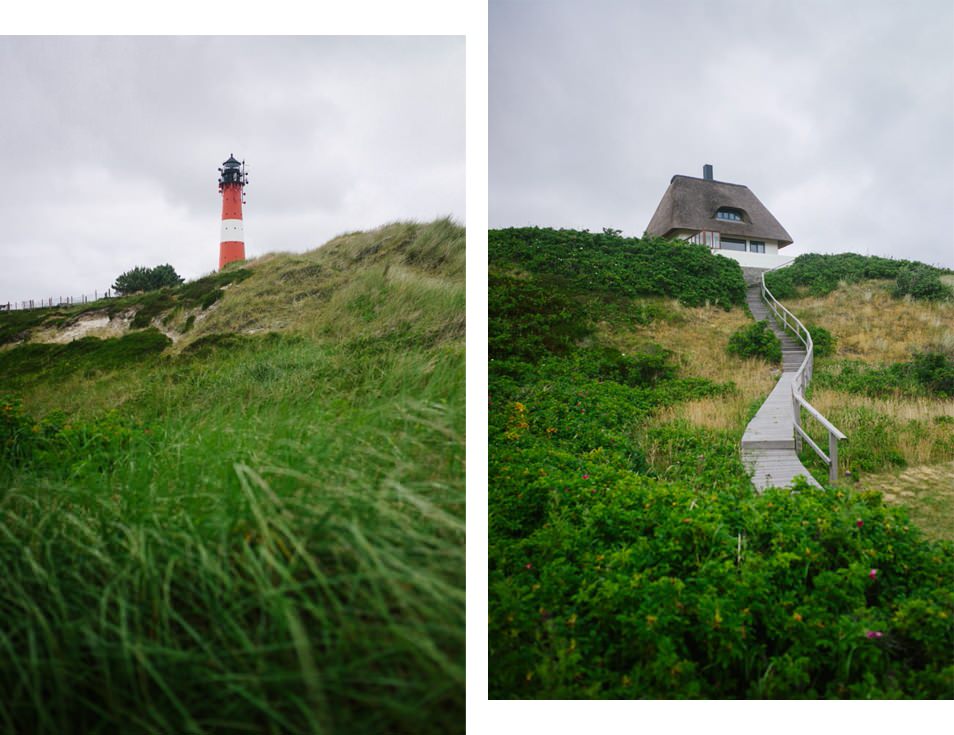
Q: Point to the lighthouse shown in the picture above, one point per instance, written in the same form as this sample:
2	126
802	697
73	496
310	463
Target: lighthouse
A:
232	181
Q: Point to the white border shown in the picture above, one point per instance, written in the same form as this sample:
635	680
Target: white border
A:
469	17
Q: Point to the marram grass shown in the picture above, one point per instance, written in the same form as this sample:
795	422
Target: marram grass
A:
264	536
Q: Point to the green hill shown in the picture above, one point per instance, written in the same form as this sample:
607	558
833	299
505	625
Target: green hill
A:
237	505
629	555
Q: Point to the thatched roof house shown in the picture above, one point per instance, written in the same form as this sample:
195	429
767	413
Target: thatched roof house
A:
724	216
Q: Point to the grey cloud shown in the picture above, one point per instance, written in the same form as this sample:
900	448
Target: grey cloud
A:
111	145
839	116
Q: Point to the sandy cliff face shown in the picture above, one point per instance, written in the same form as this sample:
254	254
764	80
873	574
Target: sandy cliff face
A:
89	324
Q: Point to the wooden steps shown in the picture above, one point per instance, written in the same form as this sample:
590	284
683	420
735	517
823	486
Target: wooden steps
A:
768	444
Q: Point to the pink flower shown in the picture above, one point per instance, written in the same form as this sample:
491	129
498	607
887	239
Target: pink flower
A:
529	566
586	477
859	523
873	573
874	634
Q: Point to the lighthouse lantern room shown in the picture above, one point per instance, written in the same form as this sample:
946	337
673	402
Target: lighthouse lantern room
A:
232	181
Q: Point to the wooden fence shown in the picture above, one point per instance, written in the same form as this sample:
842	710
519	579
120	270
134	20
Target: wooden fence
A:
51	302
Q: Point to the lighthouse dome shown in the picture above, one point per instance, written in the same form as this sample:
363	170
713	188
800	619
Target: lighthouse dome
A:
232	163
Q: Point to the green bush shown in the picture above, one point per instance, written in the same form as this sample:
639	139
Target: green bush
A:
211	297
34	362
194	292
820	274
921	282
930	373
146	279
528	319
604	263
755	340
935	371
633	588
822	340
151	305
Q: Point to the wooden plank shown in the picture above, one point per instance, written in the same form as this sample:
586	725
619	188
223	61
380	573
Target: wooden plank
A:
768	443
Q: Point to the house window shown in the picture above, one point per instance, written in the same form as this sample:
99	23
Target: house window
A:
730	243
706	237
756	246
730	214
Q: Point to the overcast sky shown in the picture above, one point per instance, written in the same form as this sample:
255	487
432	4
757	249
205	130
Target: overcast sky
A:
110	148
839	116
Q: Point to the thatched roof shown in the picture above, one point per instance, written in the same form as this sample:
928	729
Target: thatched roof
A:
691	204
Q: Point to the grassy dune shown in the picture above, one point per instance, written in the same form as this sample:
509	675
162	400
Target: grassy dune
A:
630	556
261	527
697	337
900	433
871	325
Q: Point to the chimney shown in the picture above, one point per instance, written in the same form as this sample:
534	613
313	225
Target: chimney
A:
707	172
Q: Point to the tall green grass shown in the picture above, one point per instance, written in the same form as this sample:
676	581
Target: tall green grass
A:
264	535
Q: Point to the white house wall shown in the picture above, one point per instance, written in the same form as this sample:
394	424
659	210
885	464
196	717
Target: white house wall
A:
771	246
756	260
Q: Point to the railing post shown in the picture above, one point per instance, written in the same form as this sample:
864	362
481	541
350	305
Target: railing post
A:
832	458
797	413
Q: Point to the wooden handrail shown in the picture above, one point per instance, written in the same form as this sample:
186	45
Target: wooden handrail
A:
803	377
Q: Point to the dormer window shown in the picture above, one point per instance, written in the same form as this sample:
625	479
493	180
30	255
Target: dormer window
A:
730	214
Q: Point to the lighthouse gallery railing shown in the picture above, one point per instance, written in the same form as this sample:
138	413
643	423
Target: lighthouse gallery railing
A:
803	377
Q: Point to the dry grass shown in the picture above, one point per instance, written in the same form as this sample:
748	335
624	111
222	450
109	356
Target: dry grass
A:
926	492
698	337
358	284
723	413
915	433
873	326
901	409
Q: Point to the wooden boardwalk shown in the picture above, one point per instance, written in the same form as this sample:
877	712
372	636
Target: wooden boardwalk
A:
768	444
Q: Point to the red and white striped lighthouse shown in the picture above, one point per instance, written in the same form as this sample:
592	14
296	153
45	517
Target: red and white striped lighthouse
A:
232	181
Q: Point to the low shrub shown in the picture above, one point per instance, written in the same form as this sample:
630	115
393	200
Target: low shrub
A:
819	275
650	365
14	325
211	297
194	292
528	319
934	370
822	340
597	263
635	588
930	373
755	340
150	306
89	354
921	282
